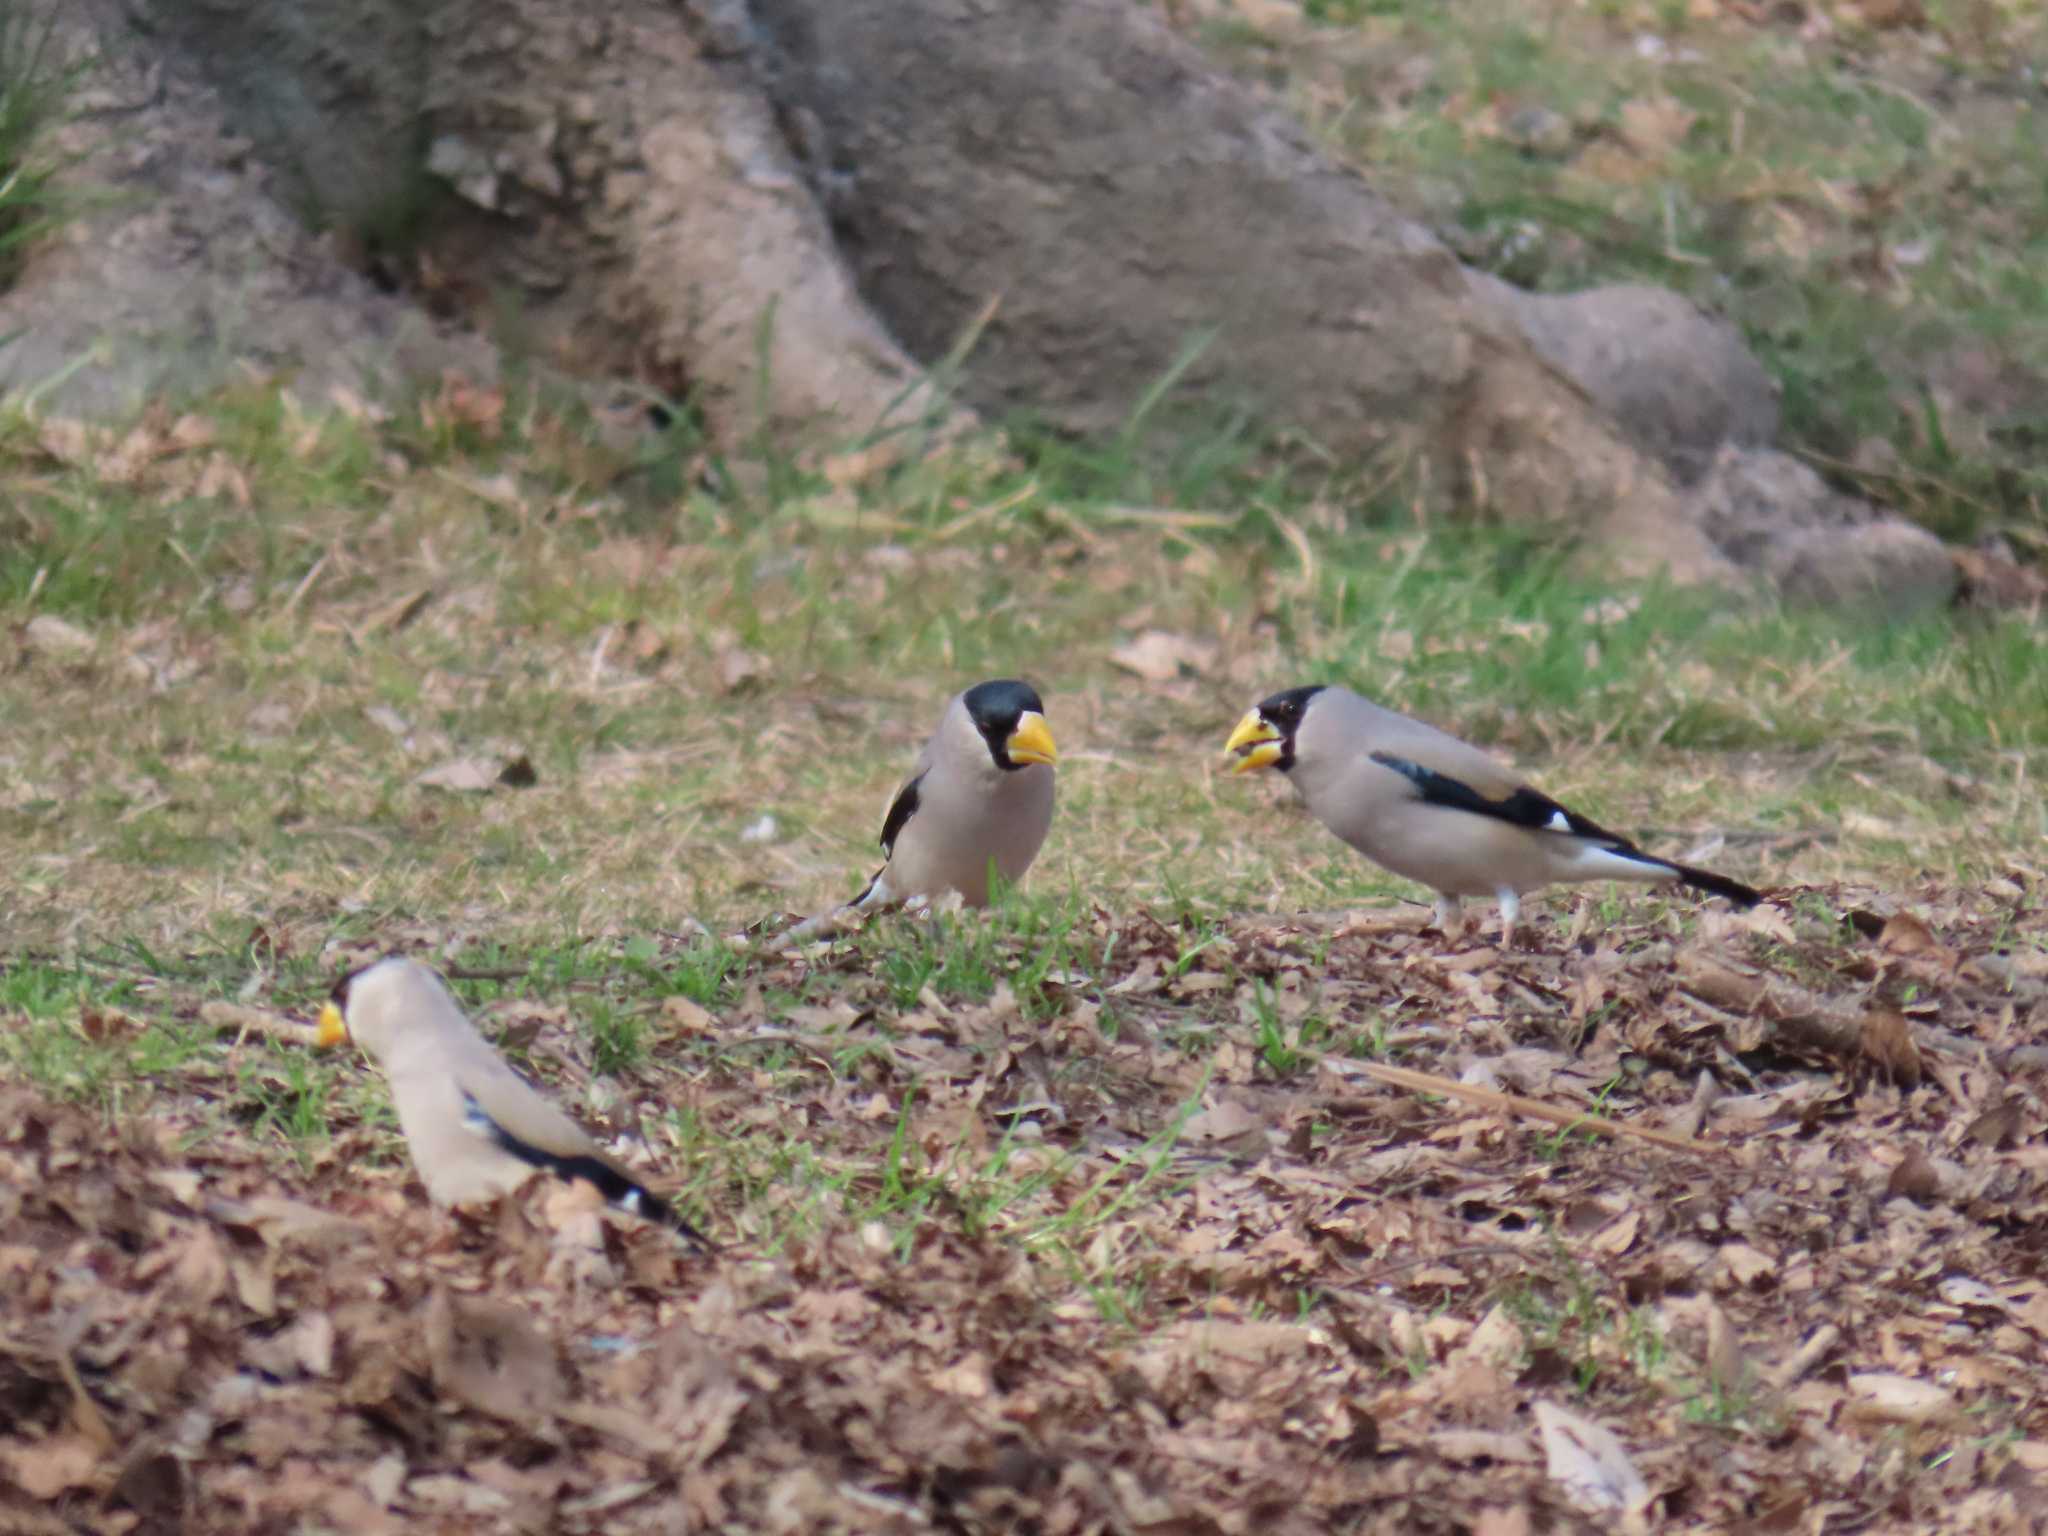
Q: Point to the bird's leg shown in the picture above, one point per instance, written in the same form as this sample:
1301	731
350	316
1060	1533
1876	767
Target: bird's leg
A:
1450	917
926	911
1510	910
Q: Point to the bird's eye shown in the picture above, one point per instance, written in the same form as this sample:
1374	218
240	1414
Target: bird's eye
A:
338	995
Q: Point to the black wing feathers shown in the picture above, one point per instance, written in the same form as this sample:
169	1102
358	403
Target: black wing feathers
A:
1719	885
1526	807
1530	808
900	812
617	1188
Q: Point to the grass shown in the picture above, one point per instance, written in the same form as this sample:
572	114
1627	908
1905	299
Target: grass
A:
35	84
210	789
1864	202
258	694
282	618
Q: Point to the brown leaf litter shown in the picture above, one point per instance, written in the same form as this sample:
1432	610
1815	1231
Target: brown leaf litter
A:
1244	1293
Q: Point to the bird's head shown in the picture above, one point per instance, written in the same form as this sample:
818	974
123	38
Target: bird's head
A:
333	1029
1010	717
369	1005
1264	738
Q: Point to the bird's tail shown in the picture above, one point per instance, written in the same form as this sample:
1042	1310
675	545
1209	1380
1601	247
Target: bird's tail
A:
875	893
1616	860
639	1200
619	1188
1718	885
626	1193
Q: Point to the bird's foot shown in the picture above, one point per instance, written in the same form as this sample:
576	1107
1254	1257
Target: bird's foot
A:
1450	918
1510	914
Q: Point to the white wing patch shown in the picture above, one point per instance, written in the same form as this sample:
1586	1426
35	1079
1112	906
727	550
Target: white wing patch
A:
475	1120
1597	863
1559	822
631	1203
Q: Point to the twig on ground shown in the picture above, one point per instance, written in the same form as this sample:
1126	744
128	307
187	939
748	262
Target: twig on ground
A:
1512	1103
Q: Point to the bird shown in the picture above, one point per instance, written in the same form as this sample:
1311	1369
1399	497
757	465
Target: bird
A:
1427	806
475	1128
979	797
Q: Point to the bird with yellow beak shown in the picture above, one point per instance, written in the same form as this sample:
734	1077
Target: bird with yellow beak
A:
1423	804
978	800
475	1128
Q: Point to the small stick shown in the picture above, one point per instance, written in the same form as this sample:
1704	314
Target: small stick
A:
1806	1356
1513	1103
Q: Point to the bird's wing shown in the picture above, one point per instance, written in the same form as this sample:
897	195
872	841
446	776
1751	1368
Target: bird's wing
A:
505	1110
1519	806
901	809
514	1105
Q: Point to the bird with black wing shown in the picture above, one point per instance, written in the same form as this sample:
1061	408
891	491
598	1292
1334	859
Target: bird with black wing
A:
1425	805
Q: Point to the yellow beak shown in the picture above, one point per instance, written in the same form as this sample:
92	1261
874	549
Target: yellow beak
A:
1256	744
1031	742
333	1028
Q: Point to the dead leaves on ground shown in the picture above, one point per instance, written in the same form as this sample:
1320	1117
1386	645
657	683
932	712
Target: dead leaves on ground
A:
1230	1291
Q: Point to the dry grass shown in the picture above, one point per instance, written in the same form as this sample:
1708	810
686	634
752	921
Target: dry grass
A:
221	715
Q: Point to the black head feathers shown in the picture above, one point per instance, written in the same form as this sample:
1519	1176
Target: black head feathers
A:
995	707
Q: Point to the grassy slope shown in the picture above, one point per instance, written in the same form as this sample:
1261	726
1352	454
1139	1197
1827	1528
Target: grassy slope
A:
1858	186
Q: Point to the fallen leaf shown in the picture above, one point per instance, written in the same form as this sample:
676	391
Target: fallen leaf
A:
519	773
1159	657
56	637
255	1277
686	1015
965	1378
459	1494
43	1469
1726	1367
1586	1461
312	1341
1482	1445
101	1025
382	1479
492	1357
399	612
1502	1522
1894	1399
1905	934
281	1222
1224	1121
1498	1341
1654	126
737	668
65	439
1997	1127
1619	1235
1747	1265
478	775
1915	1177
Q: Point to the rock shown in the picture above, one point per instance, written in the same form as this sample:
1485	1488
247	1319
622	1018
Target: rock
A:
1772	514
1678	381
184	263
